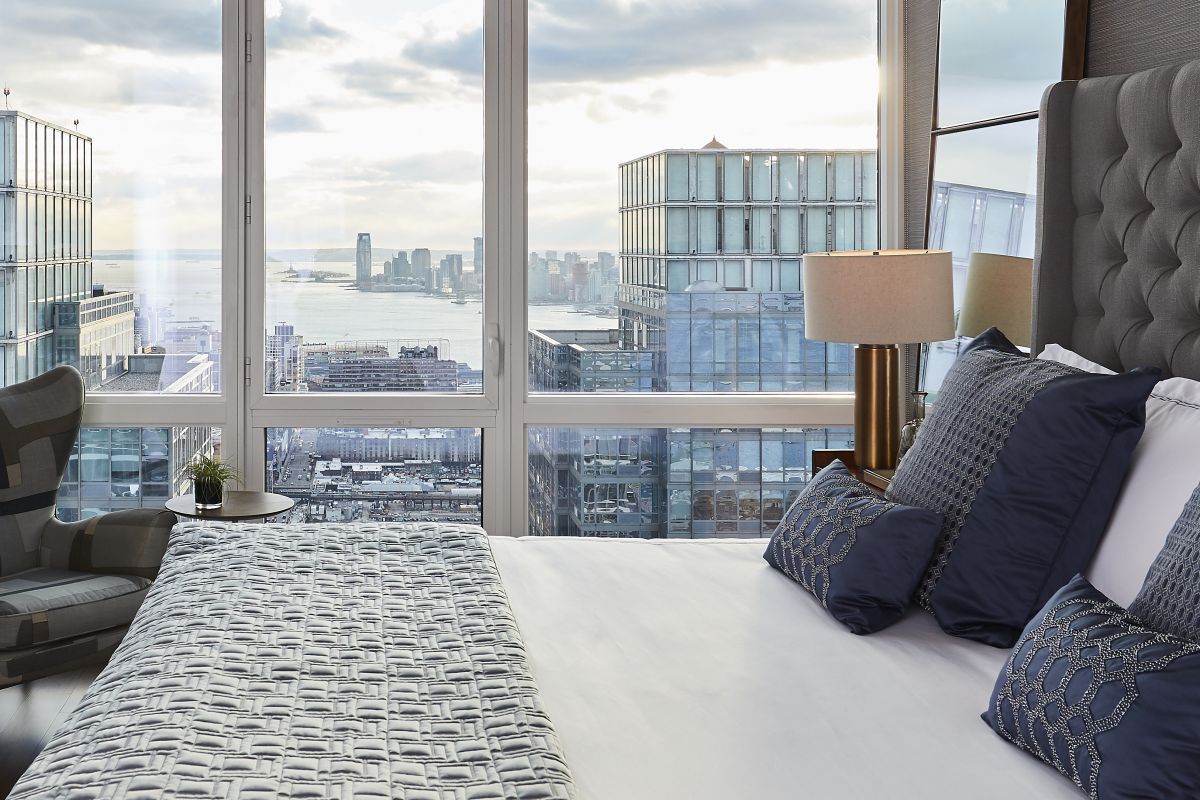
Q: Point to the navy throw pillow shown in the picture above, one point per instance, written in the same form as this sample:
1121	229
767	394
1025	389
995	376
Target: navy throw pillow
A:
1105	700
857	553
1024	458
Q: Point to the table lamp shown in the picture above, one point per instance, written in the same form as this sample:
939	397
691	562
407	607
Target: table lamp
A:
877	300
999	293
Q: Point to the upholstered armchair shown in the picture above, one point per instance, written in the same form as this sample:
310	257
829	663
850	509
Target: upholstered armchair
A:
68	591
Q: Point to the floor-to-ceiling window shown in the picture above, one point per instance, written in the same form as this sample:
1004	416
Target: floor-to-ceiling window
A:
532	263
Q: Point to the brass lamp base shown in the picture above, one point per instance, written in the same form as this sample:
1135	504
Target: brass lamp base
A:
876	417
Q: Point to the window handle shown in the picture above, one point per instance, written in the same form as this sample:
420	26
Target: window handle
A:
495	349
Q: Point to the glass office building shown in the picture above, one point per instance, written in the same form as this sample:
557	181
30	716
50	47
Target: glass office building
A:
712	242
111	469
709	300
96	335
45	237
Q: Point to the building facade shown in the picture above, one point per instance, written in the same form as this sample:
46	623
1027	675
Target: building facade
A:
285	350
117	468
443	445
95	335
709	300
45	237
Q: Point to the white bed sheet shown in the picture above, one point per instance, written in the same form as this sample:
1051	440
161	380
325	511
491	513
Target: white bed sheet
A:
691	670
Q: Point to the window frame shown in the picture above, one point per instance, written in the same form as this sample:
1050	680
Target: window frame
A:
506	409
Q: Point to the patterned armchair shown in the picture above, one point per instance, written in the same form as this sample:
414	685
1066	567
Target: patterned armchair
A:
68	591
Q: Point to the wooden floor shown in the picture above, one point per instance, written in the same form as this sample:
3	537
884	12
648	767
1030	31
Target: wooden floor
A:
30	712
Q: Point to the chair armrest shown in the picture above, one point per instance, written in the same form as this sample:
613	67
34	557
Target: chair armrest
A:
130	542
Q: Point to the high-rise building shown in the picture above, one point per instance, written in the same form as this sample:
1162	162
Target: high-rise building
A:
95	335
710	262
362	261
422	267
709	300
286	349
45	185
477	262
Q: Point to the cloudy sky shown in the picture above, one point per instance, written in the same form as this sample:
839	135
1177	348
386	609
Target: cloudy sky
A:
374	109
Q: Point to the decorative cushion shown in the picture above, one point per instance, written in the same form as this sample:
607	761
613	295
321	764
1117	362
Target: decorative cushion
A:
1105	700
1170	599
857	553
1162	474
46	604
1024	457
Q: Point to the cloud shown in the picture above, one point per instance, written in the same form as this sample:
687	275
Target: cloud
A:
394	81
294	121
617	40
296	27
178	26
1010	39
462	54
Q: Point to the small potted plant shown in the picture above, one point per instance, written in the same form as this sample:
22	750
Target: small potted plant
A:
209	474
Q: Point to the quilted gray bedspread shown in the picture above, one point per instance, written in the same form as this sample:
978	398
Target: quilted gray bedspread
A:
345	661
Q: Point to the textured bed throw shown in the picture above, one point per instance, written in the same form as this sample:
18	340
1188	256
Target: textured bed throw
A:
344	661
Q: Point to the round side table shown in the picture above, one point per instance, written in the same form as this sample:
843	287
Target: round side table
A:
237	506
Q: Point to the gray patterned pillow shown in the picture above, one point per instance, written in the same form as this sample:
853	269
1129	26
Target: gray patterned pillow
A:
1170	598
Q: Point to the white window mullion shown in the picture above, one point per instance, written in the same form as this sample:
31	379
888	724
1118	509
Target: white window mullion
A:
513	88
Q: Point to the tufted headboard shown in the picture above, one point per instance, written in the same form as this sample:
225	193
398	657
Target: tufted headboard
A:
1117	269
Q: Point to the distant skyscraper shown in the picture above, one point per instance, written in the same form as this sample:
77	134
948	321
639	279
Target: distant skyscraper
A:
478	257
286	349
362	261
400	266
422	267
41	270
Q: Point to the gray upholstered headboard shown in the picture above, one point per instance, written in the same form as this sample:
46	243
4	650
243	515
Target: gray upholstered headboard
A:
1117	270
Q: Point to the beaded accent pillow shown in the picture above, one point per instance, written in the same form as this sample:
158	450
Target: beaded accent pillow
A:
1024	458
1107	701
858	554
1170	598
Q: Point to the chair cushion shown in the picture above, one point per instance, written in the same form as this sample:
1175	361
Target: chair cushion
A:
46	604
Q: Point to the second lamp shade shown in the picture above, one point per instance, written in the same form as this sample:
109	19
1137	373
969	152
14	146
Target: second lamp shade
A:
878	297
999	294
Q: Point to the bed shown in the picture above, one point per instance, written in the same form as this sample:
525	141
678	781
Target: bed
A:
627	669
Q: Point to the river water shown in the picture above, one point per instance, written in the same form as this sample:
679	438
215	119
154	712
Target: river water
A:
189	288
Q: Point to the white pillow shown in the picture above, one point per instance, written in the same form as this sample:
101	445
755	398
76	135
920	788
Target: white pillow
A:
1162	476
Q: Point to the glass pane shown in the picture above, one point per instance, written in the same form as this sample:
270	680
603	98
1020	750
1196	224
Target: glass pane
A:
374	261
735	230
789	230
677	177
378	474
843	178
669	482
677	230
789	177
111	469
110	231
818	167
817	234
707	234
761	177
984	200
597	148
734	177
996	59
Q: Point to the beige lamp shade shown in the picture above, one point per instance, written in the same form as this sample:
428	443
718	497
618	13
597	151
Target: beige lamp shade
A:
999	293
879	296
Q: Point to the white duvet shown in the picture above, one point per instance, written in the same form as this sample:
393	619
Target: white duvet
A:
691	670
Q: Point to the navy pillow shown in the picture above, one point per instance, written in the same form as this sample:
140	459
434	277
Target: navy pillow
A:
1108	702
857	553
1025	458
